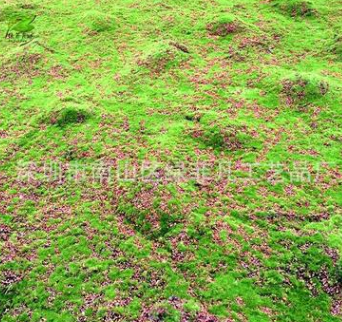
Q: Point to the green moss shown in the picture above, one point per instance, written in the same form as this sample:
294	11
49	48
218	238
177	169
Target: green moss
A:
224	26
66	117
336	48
303	89
160	57
98	22
176	83
295	8
164	312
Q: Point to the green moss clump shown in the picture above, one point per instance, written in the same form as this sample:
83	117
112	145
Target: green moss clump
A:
96	21
67	116
295	8
231	137
151	223
224	26
302	89
164	312
161	57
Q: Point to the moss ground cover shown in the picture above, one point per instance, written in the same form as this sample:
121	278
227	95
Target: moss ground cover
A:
246	91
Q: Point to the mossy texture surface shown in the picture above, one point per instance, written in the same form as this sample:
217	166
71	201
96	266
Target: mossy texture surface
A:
247	90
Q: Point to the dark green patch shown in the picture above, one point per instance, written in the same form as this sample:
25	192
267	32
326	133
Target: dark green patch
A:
67	116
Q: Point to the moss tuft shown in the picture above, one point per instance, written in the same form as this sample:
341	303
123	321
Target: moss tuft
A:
67	116
304	89
96	21
295	8
161	57
224	26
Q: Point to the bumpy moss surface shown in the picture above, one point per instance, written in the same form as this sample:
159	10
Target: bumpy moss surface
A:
171	161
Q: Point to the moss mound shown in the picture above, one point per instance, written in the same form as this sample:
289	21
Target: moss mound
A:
295	8
161	57
66	116
228	137
224	26
96	21
303	89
